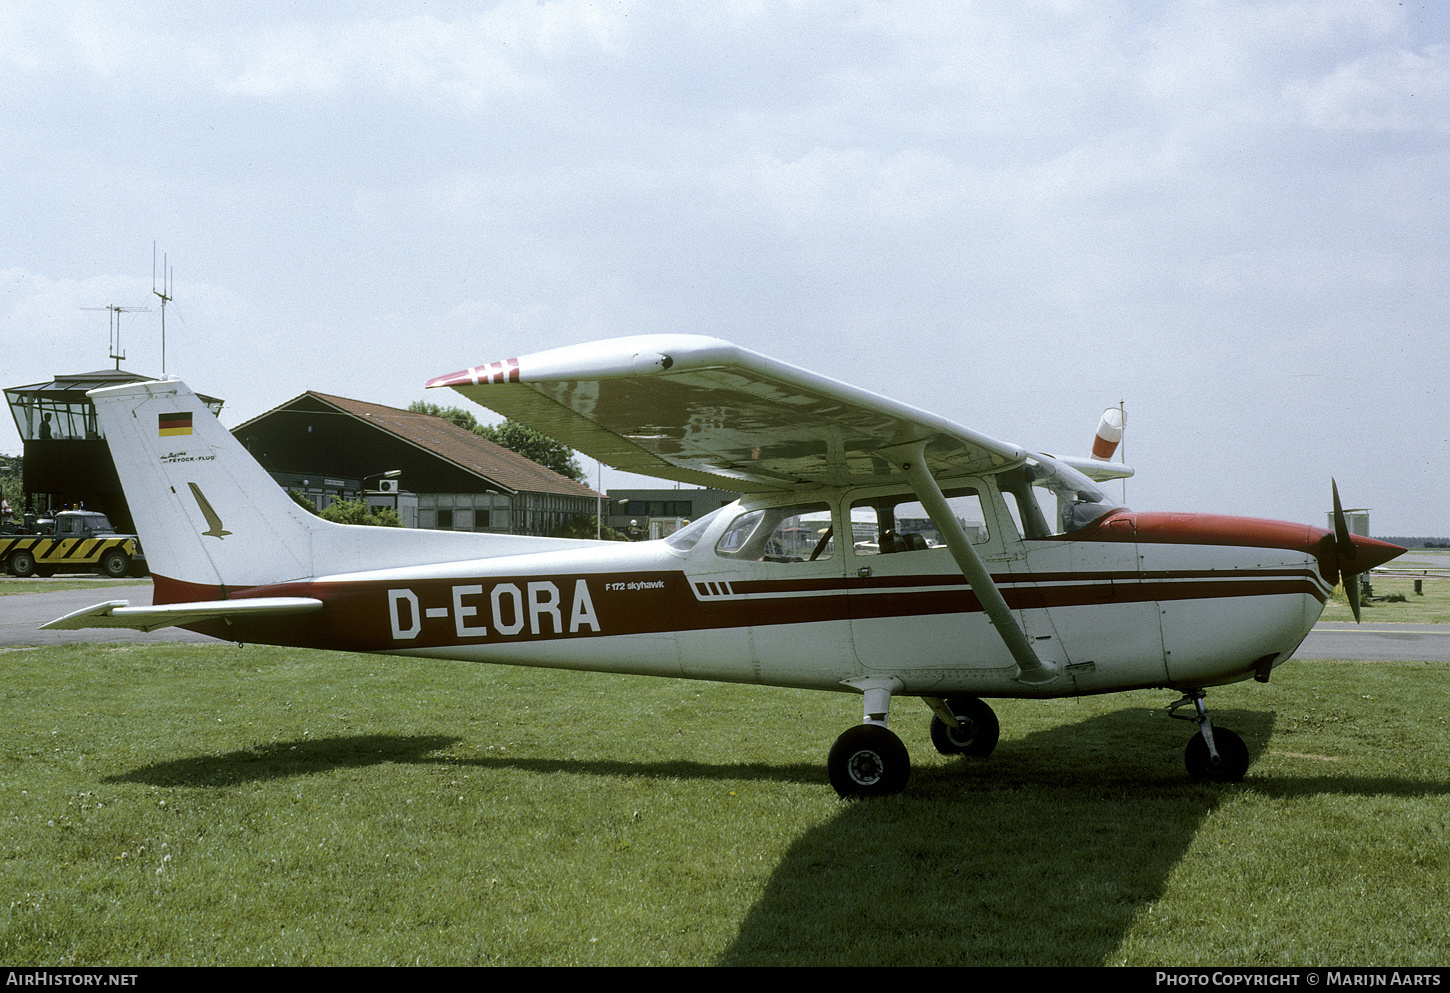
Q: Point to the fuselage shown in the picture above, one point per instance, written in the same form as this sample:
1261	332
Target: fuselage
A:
768	591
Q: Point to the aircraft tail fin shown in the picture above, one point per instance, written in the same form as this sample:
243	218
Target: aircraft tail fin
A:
206	512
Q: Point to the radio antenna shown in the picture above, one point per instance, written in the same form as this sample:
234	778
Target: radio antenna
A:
115	328
168	280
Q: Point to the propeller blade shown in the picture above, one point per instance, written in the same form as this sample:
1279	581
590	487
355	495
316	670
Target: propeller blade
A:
1356	554
1345	552
1343	543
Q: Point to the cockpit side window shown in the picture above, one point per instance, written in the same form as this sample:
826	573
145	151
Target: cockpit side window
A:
882	525
796	533
685	538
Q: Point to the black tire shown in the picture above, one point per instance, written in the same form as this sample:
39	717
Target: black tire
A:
115	564
1233	758
22	563
868	761
976	736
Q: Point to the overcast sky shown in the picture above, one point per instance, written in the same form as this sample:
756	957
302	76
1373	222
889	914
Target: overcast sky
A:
1230	216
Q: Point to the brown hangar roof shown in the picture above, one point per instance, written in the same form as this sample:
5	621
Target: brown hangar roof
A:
446	440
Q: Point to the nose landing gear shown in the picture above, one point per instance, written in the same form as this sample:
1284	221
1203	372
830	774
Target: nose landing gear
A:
1214	755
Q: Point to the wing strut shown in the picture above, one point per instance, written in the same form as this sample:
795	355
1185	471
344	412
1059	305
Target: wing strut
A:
912	459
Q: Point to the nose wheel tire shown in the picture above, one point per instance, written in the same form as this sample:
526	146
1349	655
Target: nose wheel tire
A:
1233	757
868	761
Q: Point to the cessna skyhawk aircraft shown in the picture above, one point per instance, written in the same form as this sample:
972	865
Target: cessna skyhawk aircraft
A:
878	549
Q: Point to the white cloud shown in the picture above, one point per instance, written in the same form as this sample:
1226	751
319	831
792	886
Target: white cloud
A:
1387	91
469	61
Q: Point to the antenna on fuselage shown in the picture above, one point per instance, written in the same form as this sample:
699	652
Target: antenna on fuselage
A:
1122	452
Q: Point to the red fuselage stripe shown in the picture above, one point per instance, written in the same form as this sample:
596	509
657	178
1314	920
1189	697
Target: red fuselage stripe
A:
383	616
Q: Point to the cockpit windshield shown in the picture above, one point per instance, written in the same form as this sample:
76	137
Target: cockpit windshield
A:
1079	500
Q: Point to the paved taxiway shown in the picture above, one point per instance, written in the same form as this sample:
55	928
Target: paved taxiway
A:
22	614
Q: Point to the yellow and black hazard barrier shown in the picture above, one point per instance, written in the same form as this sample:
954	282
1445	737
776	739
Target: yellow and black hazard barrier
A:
30	555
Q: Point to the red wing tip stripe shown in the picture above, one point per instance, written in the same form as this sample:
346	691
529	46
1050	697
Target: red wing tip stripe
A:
451	379
506	371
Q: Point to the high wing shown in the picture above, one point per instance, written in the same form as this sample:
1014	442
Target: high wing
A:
119	613
1097	469
700	410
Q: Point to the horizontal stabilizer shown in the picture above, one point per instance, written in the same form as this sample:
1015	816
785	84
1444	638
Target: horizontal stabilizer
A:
119	613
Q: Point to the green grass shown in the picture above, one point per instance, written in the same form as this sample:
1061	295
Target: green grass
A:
10	586
199	805
1396	602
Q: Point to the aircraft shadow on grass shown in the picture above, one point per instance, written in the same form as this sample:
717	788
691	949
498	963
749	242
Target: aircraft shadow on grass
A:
1088	820
1044	854
283	759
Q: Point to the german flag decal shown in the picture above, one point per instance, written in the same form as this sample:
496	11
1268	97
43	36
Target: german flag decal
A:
169	425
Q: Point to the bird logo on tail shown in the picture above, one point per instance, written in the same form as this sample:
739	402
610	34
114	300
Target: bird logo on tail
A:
213	520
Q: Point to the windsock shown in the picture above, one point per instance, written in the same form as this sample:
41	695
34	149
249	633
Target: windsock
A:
1110	432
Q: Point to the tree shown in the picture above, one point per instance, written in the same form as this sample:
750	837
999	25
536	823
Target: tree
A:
12	471
512	435
358	512
455	415
586	526
302	501
535	445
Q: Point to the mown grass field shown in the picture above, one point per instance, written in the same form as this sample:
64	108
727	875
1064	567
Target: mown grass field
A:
198	805
1396	602
10	586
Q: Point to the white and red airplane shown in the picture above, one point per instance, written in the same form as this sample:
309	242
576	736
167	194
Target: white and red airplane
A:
877	549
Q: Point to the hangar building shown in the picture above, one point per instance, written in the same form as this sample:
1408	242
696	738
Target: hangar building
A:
438	474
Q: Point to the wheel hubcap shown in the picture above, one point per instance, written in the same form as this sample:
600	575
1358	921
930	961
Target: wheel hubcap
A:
865	768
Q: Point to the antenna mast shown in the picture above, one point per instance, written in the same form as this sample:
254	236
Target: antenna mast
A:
115	328
167	282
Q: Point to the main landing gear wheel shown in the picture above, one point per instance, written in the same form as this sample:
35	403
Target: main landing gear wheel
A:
976	733
868	761
1233	758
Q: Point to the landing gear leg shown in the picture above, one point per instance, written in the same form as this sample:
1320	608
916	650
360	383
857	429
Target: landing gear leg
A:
1216	755
869	760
